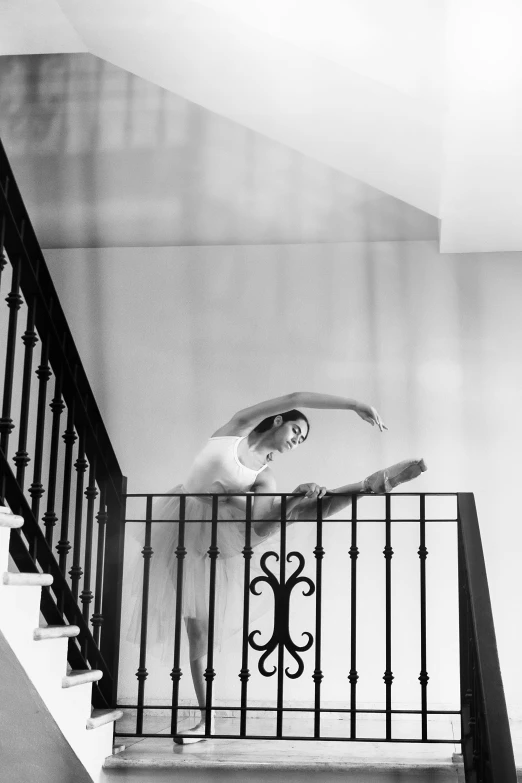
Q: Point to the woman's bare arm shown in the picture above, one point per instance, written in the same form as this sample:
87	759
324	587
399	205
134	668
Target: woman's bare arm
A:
264	506
246	419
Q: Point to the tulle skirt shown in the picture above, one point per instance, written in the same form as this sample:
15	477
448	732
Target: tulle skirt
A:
196	573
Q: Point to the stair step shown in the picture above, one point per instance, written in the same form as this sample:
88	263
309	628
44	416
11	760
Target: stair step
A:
101	717
8	519
55	632
42	580
81	676
297	760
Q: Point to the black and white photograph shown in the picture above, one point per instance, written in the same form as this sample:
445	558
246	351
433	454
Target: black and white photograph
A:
260	377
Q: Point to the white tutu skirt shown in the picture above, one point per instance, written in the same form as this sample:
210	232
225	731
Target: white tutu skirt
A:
196	569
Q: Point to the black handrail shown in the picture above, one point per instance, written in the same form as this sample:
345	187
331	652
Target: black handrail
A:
486	739
21	243
85	435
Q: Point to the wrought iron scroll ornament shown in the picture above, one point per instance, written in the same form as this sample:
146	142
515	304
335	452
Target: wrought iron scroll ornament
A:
281	631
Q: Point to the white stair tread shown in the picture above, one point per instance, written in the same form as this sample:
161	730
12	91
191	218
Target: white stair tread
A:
42	580
81	676
8	519
101	717
55	632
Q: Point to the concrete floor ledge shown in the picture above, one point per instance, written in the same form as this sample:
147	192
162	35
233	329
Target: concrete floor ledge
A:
289	761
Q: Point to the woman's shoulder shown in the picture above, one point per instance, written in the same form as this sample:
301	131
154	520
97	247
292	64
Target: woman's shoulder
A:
266	479
232	429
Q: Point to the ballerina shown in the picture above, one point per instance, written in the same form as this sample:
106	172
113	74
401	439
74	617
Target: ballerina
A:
236	459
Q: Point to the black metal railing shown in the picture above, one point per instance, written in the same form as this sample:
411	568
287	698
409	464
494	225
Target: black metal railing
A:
280	642
486	742
65	442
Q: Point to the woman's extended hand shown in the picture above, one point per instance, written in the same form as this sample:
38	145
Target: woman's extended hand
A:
370	415
311	490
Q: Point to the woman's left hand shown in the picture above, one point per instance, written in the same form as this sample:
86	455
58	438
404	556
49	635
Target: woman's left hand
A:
311	490
369	414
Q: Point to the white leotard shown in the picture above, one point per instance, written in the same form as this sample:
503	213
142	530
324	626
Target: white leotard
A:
217	468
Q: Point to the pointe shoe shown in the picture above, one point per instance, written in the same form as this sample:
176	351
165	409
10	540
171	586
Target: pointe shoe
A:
389	478
195	734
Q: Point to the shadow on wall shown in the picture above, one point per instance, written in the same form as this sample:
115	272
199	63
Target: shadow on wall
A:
105	158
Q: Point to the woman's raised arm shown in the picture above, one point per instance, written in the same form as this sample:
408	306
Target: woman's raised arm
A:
245	420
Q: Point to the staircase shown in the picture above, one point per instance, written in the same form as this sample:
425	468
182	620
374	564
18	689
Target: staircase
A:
42	651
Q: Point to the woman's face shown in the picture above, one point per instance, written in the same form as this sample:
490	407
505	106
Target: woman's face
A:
288	435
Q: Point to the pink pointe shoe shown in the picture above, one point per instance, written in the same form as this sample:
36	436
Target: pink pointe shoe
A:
389	478
195	734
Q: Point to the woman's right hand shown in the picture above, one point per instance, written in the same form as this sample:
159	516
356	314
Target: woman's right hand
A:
310	490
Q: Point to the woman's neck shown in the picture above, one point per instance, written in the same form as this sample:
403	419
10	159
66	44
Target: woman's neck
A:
259	446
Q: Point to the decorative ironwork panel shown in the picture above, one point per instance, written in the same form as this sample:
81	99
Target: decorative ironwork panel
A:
281	631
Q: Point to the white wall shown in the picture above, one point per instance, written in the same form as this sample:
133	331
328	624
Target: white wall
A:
480	193
174	340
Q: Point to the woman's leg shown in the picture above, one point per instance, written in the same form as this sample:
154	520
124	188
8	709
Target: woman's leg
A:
303	508
197	636
197	633
336	500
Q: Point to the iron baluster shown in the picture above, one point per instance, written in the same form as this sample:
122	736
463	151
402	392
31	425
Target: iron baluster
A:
101	517
423	677
210	674
388	675
244	674
29	339
281	648
353	677
43	373
90	493
176	672
80	466
3	259
318	674
57	406
142	672
114	547
69	437
14	302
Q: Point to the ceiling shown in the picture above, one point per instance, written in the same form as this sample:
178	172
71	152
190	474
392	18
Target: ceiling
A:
418	99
